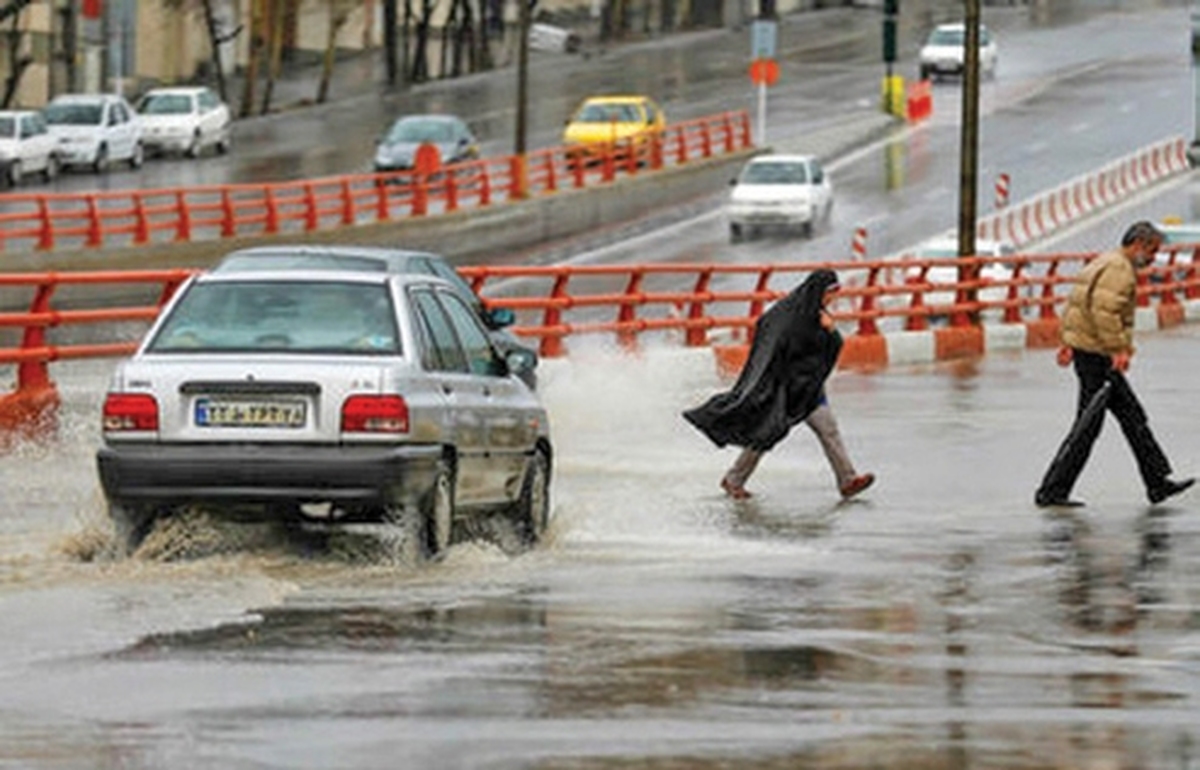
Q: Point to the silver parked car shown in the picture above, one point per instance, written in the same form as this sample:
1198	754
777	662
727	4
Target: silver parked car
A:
325	398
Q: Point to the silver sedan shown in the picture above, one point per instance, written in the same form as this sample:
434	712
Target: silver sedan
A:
325	398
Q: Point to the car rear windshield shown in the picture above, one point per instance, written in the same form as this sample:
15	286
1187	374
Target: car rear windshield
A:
436	131
775	173
609	113
296	317
946	37
165	104
73	114
245	262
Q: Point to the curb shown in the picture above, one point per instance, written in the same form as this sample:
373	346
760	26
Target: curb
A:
877	351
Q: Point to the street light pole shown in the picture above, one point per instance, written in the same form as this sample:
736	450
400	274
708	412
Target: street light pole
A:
969	149
522	94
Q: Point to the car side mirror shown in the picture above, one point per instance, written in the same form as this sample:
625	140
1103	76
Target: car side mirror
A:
520	361
500	317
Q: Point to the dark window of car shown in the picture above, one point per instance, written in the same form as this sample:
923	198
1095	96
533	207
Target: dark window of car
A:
481	357
8	127
27	129
39	125
651	112
446	354
775	173
418	130
437	267
208	101
74	114
165	104
296	317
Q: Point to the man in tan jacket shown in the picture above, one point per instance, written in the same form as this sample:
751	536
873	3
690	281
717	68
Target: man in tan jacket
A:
1097	336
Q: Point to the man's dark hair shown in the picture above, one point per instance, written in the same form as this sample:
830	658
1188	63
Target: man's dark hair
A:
1141	232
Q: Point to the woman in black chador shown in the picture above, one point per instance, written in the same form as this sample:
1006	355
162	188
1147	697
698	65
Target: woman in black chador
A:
794	351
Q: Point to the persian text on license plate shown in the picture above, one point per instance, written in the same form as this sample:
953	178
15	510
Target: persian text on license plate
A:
249	414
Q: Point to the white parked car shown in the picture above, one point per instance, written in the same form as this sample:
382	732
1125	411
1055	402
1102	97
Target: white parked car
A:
26	146
94	130
779	191
184	120
944	52
947	275
324	399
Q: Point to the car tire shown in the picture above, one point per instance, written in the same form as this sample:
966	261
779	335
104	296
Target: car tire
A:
138	157
224	144
15	174
925	73
193	149
50	173
100	163
437	512
735	234
531	513
131	524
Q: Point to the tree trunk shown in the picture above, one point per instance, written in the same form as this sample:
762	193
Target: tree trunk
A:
257	22
215	40
337	19
276	64
483	49
17	63
389	40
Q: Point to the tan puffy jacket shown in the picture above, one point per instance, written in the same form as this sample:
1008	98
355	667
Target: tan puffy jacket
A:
1099	316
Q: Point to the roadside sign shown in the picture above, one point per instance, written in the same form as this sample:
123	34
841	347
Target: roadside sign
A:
764	72
763	33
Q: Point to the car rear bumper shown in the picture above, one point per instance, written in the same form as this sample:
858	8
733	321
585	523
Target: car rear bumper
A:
771	217
364	475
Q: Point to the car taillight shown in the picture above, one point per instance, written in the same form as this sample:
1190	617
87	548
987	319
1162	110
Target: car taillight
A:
129	412
375	414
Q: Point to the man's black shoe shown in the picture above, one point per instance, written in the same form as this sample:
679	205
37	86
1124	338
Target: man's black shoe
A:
1048	501
1169	488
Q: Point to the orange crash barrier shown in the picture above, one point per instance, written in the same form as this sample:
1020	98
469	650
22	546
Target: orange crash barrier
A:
121	218
682	304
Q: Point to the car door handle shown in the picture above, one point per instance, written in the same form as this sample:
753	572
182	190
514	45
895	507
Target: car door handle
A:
447	389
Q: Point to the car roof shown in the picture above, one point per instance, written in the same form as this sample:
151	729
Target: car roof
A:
320	257
772	158
616	99
83	98
948	246
320	276
16	113
177	90
1180	232
436	117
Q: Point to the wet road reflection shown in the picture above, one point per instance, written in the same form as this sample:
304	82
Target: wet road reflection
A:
941	621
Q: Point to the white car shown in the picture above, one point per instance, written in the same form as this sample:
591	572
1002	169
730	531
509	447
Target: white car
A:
184	120
27	146
325	399
94	130
779	191
947	275
944	52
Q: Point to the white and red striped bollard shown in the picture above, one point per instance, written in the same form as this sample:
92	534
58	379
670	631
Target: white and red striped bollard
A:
858	246
1002	187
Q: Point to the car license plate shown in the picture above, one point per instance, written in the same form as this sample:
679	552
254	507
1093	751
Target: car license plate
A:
249	414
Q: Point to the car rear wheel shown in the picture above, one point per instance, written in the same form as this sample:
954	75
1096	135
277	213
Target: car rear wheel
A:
437	512
52	168
15	174
131	524
531	513
138	156
100	164
735	233
193	149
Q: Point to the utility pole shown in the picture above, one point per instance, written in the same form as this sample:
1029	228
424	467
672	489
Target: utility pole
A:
522	94
969	149
389	40
1194	150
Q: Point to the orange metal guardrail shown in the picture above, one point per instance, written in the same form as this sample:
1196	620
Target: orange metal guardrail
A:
137	217
628	302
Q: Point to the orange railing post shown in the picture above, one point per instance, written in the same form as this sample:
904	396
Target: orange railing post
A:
451	190
705	140
347	202
312	219
95	235
727	130
141	231
627	314
866	323
552	346
272	223
46	228
1047	311
419	191
697	336
183	218
228	223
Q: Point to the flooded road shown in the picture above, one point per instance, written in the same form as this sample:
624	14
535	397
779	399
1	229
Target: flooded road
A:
942	621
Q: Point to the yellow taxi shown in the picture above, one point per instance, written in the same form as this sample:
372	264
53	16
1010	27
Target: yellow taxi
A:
617	120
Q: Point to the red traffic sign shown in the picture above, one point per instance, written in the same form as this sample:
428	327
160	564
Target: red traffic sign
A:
764	72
